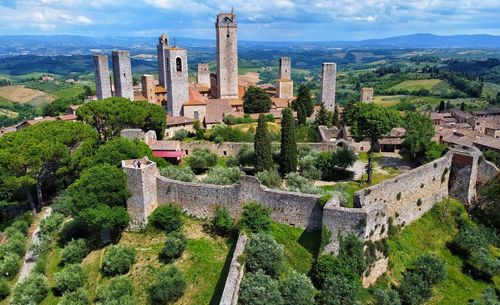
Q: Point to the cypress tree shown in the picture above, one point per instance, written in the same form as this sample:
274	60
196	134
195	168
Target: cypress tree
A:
462	106
304	99
441	107
322	116
262	146
301	114
336	117
288	154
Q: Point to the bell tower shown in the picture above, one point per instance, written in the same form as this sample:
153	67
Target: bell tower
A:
227	56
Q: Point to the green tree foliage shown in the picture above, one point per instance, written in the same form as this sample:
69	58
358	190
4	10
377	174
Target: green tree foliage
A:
297	289
74	252
167	218
441	107
201	160
264	253
303	101
489	298
414	290
373	122
269	178
4	288
181	173
323	116
111	115
119	291
118	260
430	267
118	149
70	278
15	243
297	183
10	264
59	106
255	218
93	222
180	135
488	211
334	164
419	133
222	223
168	287
323	268
246	155
308	165
339	290
224	133
256	100
38	154
386	297
30	291
77	297
50	226
259	289
199	132
262	146
223	175
288	154
492	156
174	246
336	117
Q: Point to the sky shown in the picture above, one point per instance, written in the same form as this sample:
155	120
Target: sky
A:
261	20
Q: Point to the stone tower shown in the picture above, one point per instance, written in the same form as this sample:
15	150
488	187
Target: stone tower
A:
227	56
122	72
203	75
148	87
366	95
328	83
102	80
177	80
163	43
284	84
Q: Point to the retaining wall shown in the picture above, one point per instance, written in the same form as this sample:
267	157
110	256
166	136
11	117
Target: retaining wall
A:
235	275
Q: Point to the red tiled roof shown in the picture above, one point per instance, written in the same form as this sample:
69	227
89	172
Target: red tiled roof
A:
67	117
168	154
195	97
178	120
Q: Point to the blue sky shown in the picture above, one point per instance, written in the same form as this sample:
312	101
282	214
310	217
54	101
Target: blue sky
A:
258	19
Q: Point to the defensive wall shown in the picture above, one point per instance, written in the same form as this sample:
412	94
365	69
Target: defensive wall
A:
235	274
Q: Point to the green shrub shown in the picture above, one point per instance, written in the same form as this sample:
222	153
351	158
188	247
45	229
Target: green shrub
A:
308	166
255	218
297	183
351	254
179	173
223	175
168	287
74	252
50	226
323	268
246	155
201	160
15	244
77	297
167	218
269	178
10	265
118	260
339	290
180	134
297	289
232	161
4	288
386	297
119	291
174	246
222	223
30	291
414	290
483	263
70	278
263	252
430	267
259	289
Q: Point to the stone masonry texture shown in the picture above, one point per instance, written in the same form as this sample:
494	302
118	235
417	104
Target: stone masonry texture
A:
102	79
177	80
203	75
328	85
285	68
122	73
227	56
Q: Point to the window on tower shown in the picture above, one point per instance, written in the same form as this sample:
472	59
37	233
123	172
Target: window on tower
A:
178	64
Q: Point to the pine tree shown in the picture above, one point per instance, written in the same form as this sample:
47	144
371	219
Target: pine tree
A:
322	117
288	154
262	146
304	99
301	114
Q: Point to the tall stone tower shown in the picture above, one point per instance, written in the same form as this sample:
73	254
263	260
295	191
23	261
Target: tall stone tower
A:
328	83
366	95
227	56
177	80
122	72
163	43
102	80
148	87
284	84
203	75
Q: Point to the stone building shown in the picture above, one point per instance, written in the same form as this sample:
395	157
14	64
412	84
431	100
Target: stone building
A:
284	85
177	80
162	63
366	95
227	56
102	79
148	88
328	84
203	75
122	73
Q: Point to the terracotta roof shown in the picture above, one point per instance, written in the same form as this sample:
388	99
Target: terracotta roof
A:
140	97
67	117
178	120
195	97
216	109
159	89
456	139
201	87
488	142
281	102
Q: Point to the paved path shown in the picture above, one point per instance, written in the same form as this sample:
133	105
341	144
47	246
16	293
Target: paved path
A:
29	261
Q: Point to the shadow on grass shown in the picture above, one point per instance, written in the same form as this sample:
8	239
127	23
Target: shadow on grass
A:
219	288
311	241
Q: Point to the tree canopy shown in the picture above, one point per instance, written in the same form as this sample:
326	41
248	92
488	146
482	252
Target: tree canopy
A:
262	146
418	137
256	100
288	153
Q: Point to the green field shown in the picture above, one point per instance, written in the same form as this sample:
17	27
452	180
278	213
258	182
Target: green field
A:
387	100
414	85
69	93
490	90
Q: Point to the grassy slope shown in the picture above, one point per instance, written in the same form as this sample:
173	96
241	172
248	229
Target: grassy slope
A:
430	234
417	84
69	93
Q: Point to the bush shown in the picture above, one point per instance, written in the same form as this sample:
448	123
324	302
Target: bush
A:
483	264
201	160
222	223
232	161
74	252
167	218
174	246
15	244
323	268
255	218
246	155
223	175
386	297
339	290
118	260
77	297
224	133
119	291
297	183
179	173
414	290
180	135
50	226
168	286
269	178
297	289
263	252
351	255
70	278
30	291
4	288
308	168
259	289
430	267
9	265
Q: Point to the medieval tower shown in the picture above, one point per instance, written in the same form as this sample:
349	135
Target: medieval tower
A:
177	80
328	83
227	56
122	73
148	87
203	75
162	64
102	80
284	84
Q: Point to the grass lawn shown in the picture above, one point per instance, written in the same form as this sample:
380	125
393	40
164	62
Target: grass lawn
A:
430	234
69	93
387	100
414	85
272	127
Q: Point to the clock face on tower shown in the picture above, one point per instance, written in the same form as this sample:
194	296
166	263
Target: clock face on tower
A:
226	20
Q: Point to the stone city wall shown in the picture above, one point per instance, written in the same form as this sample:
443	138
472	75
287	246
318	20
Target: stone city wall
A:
486	171
235	274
